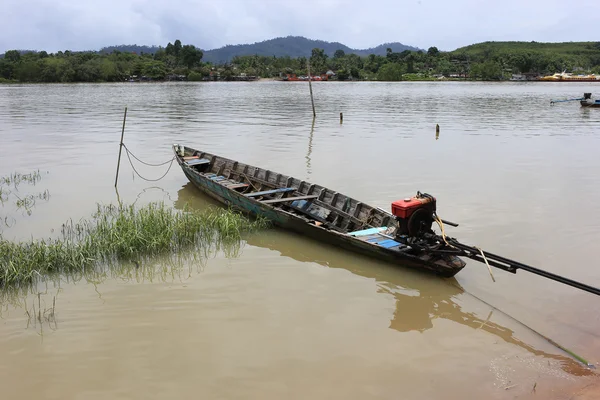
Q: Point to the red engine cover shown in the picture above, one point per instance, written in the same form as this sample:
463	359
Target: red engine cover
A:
404	208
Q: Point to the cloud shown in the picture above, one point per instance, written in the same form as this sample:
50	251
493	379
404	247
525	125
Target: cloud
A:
91	24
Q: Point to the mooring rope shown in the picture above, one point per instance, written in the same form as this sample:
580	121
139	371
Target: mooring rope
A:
129	154
552	342
441	224
143	162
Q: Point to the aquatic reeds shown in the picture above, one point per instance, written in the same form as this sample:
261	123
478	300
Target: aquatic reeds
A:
16	178
9	187
121	233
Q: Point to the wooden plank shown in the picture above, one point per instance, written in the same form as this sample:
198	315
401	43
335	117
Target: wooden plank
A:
197	161
237	185
322	194
273	191
289	199
369	231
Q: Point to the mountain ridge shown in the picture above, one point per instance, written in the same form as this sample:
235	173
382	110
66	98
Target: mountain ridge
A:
295	46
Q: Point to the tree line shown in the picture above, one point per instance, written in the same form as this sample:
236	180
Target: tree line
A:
485	61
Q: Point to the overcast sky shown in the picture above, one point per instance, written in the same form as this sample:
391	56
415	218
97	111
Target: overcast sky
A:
54	25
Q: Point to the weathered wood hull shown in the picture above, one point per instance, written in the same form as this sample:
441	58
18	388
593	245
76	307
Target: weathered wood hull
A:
296	223
589	104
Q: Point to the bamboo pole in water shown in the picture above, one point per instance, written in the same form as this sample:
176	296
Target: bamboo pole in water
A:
310	88
121	146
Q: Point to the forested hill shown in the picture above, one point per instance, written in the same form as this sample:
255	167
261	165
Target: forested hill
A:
292	46
532	56
584	53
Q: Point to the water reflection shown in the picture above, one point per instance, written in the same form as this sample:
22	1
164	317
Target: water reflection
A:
420	299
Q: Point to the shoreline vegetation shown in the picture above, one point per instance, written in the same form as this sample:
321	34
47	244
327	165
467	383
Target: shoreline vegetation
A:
489	61
117	234
114	236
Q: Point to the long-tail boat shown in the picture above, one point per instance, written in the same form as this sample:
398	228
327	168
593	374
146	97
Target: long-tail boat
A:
403	236
587	101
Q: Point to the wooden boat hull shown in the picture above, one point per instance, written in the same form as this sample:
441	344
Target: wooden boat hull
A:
446	267
589	104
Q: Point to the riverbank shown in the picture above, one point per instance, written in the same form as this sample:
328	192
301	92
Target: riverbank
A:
277	79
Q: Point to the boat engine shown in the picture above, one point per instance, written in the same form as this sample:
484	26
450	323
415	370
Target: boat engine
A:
414	215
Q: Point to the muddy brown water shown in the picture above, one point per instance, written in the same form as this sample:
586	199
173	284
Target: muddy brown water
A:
288	317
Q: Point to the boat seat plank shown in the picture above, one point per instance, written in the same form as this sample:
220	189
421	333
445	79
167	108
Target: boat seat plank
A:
217	178
289	199
381	241
237	185
388	243
198	161
273	191
369	231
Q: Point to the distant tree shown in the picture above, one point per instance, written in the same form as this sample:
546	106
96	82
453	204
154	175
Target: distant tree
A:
318	61
388	52
390	72
12	56
28	71
160	55
194	76
154	69
490	70
410	64
433	51
339	54
342	74
6	69
190	55
177	47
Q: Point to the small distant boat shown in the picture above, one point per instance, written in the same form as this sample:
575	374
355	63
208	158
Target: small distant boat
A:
568	77
589	102
585	101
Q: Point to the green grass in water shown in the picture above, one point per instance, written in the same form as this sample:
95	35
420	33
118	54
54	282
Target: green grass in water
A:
121	233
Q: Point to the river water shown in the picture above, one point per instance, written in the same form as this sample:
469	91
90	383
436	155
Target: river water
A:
289	317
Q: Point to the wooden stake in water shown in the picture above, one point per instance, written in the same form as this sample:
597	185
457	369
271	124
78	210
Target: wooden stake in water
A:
437	131
310	88
341	118
121	146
